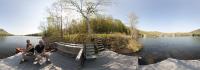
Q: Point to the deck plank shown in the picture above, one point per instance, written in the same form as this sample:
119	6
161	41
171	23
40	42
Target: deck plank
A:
107	60
59	62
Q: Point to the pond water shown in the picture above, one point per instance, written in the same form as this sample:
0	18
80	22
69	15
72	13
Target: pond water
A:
161	48
155	49
9	43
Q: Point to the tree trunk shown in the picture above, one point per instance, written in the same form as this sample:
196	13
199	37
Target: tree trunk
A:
134	34
61	26
88	25
89	31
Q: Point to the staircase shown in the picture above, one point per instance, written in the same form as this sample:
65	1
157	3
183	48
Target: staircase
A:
91	50
99	45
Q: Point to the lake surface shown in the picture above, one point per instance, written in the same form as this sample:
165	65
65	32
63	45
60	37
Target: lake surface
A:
9	43
155	49
158	49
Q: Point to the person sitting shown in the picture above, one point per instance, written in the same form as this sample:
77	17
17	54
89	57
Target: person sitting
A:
29	50
41	53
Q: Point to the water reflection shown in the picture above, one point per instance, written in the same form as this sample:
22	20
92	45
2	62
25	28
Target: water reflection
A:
9	43
2	38
158	49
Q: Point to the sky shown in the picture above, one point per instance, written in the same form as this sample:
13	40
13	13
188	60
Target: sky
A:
160	15
21	17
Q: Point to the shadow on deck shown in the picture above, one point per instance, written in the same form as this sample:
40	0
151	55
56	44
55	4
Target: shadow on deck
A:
107	60
59	62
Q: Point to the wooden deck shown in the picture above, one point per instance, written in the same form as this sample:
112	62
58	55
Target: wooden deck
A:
59	62
107	60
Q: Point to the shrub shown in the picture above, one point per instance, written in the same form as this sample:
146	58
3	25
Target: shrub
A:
118	41
123	42
134	46
76	38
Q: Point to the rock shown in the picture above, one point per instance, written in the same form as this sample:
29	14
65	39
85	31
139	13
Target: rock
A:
173	64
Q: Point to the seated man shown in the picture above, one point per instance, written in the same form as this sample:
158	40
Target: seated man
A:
41	53
29	50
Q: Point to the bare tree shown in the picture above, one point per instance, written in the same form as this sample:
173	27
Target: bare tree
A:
86	8
133	20
43	27
57	13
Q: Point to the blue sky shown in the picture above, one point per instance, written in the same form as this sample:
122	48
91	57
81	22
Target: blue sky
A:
160	15
24	16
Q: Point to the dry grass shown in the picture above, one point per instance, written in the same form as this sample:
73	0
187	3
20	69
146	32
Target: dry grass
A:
134	45
121	42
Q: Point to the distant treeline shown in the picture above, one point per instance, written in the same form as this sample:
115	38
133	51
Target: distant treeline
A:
162	34
35	34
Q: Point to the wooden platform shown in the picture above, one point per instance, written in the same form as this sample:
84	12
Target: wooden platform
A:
107	60
59	62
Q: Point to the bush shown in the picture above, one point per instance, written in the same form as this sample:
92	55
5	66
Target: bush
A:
123	42
134	46
76	38
118	41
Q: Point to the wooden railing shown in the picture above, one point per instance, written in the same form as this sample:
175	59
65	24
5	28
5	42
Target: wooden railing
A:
74	50
80	58
80	51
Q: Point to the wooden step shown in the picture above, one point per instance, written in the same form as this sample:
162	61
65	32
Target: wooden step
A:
90	53
91	57
90	50
100	46
89	47
101	49
99	42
